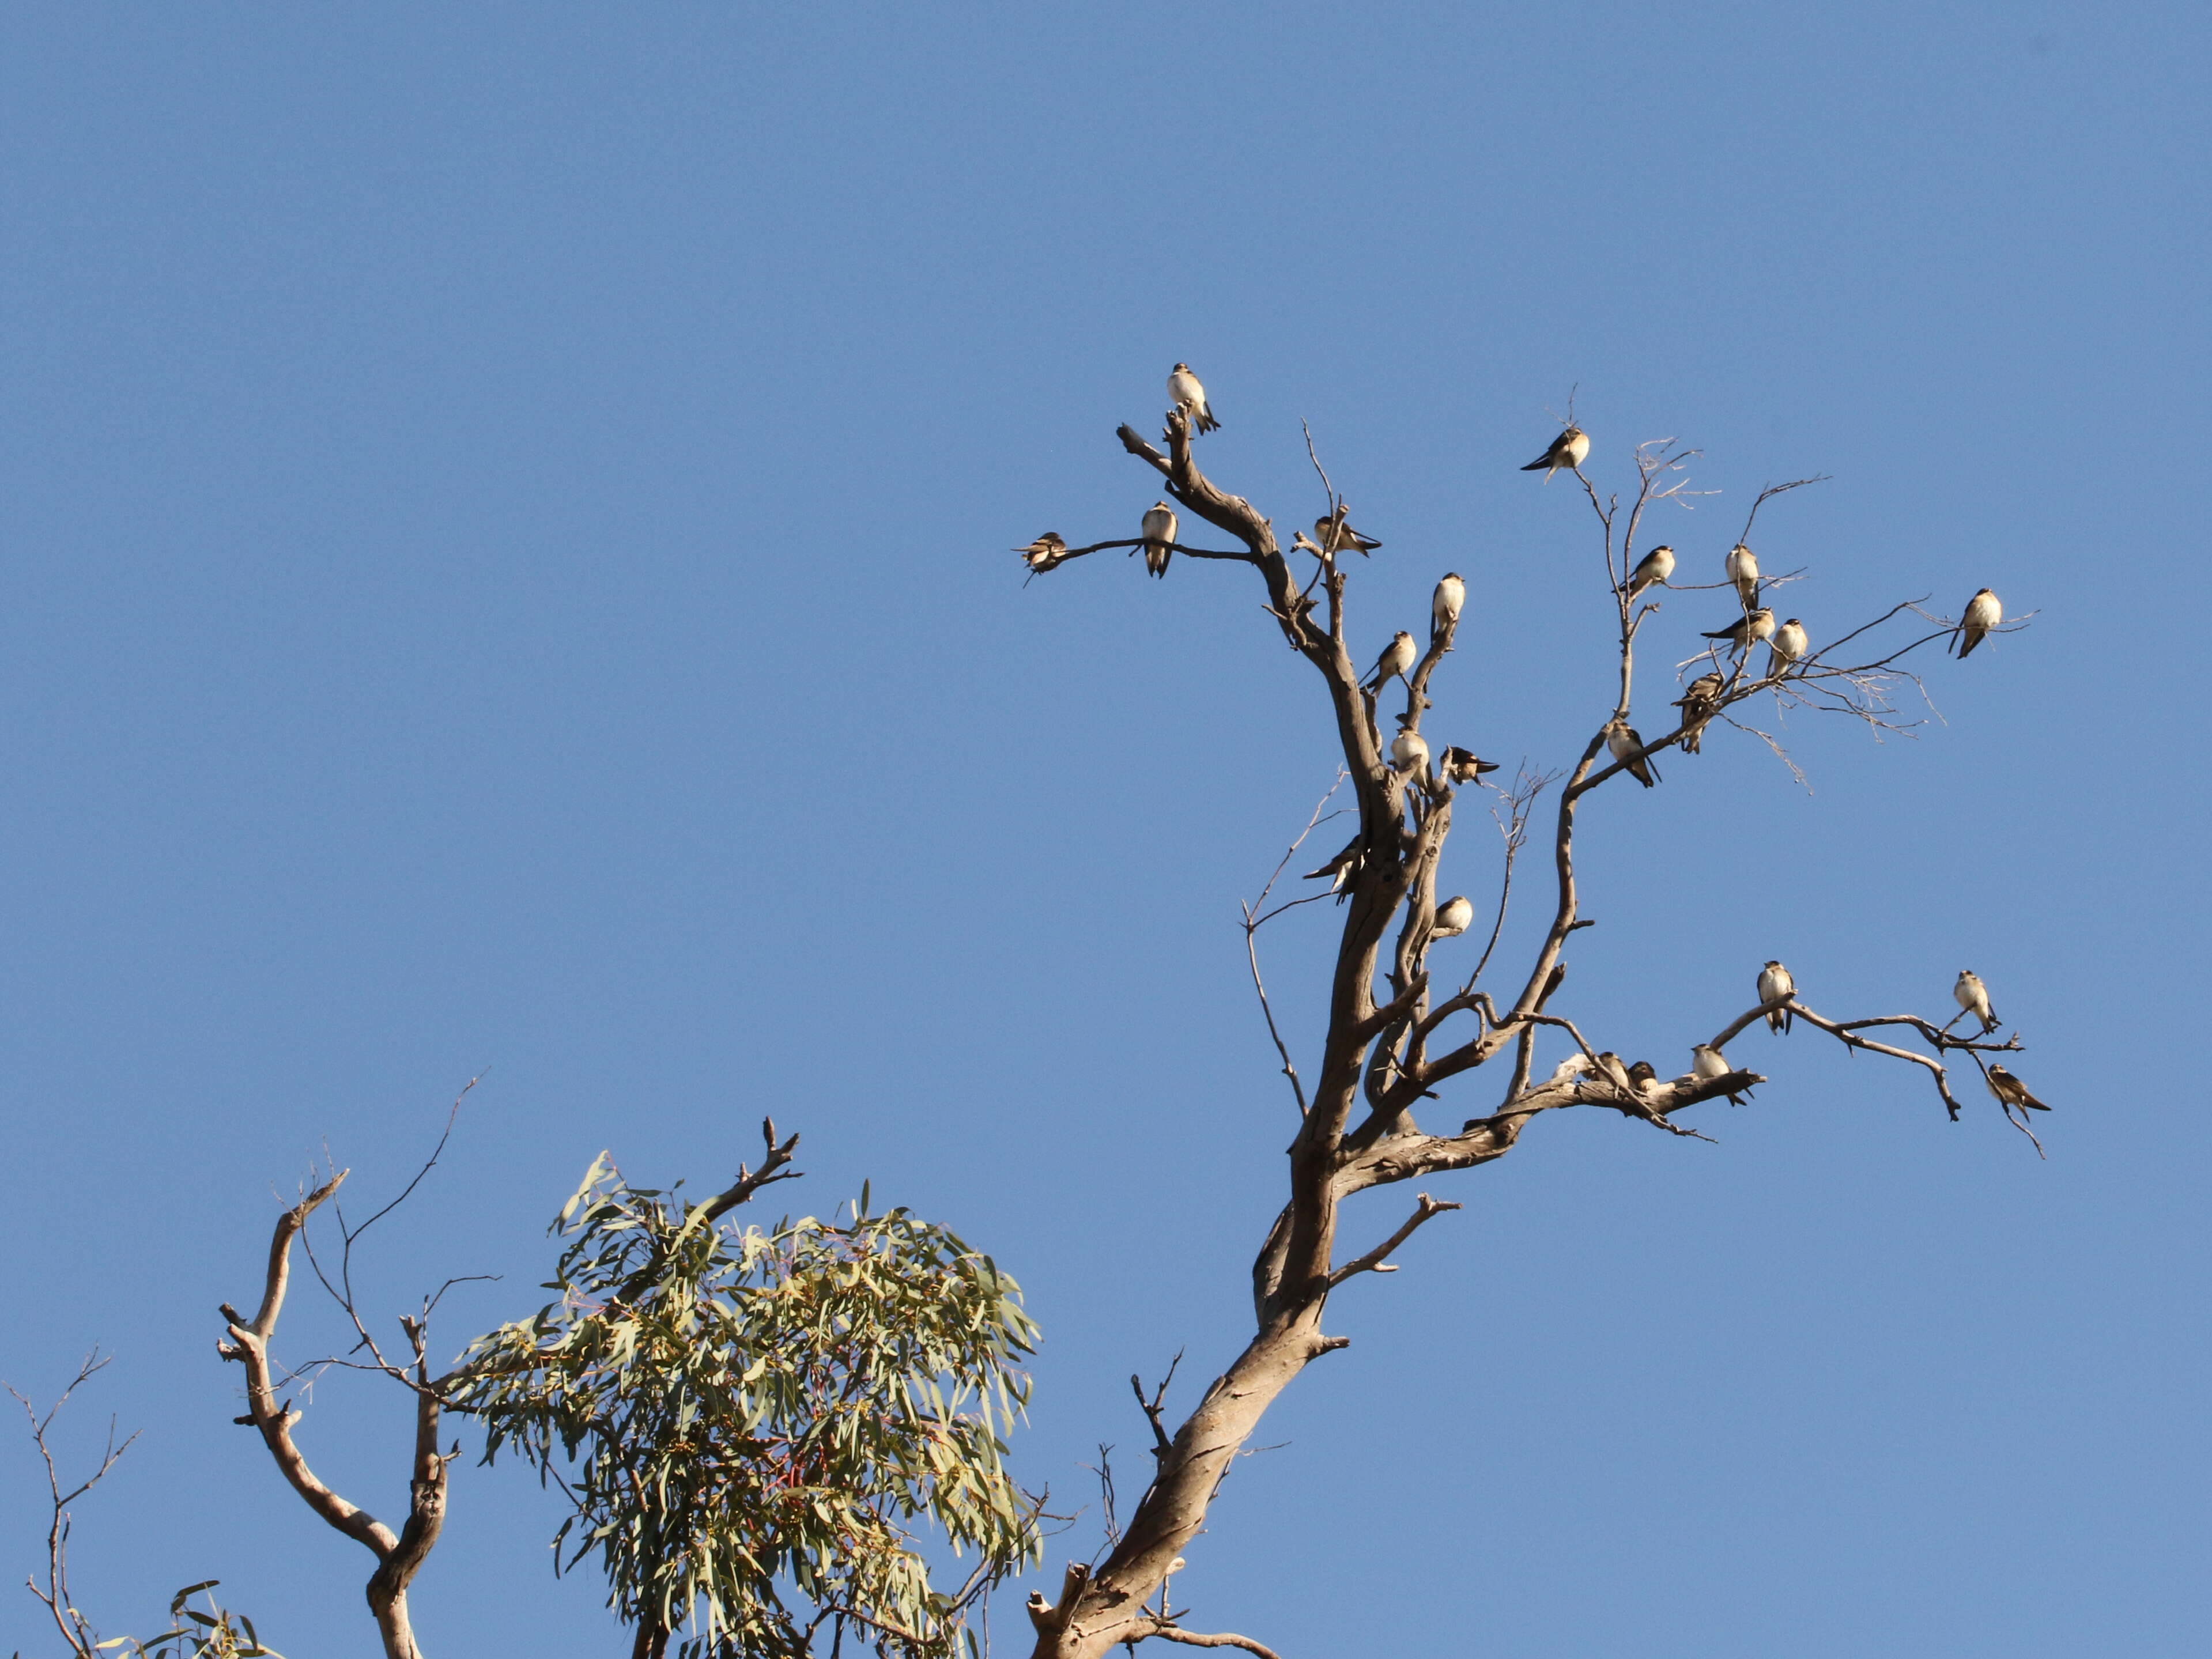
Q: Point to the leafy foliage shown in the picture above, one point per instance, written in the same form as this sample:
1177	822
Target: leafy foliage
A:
216	1634
757	1428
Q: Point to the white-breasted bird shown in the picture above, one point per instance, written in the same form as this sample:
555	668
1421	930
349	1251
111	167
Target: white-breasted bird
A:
1409	752
1709	1062
1743	571
1463	766
1643	1077
1159	530
1189	396
1397	657
2011	1091
1656	566
1454	917
1788	644
1609	1063
1342	869
1699	704
1774	984
1620	738
1335	533
1746	630
1570	449
1449	599
1971	994
1043	553
1983	613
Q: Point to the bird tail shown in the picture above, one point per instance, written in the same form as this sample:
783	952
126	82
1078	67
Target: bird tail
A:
1157	555
1537	466
1966	644
1205	421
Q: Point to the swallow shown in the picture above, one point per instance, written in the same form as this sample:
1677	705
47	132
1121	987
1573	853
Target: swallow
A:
1454	917
1698	705
1335	534
1187	394
1397	657
1655	567
1409	752
1788	644
1642	1075
2011	1091
1462	765
1774	984
1983	613
1159	531
1971	994
1342	869
1747	631
1620	738
1043	553
1709	1062
1742	570
1569	450
1609	1065
1444	608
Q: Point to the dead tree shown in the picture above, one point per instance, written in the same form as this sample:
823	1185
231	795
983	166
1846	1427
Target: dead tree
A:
1394	1039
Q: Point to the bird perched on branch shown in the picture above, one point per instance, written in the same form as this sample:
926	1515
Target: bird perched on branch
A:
1335	534
1788	644
1743	571
2012	1091
1454	917
1741	635
1983	613
1642	1075
1397	657
1463	766
1409	752
1043	553
1655	567
1342	869
1569	450
1159	531
1709	1062
1699	704
1609	1064
1774	984
1620	738
1971	994
1444	608
1190	396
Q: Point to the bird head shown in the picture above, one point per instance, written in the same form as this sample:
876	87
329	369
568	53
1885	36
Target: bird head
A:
1180	368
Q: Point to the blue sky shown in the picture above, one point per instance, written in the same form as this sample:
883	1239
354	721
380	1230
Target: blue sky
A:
505	514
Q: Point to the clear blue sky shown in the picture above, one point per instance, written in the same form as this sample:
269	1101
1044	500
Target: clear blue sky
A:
504	515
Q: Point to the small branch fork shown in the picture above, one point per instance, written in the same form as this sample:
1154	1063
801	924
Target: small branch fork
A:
1385	1050
60	1604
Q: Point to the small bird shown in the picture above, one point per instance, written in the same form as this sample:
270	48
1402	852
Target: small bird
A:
1655	567
1569	450
1743	571
1159	531
1642	1076
1620	738
1454	916
1043	553
1335	534
1409	752
1189	396
1749	630
2011	1091
1615	1073
1397	657
1774	984
1698	705
1462	765
1788	644
1709	1062
1983	613
1342	869
1444	608
1971	994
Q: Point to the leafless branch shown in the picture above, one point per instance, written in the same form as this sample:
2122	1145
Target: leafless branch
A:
1377	1261
1191	1639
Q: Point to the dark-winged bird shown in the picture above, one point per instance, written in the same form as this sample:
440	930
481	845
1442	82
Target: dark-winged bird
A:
1397	657
2012	1091
1774	984
1159	532
1043	553
1788	644
1709	1062
1742	570
1983	613
1748	630
1342	869
1336	534
1699	704
1444	607
1655	567
1454	917
1971	994
1620	738
1462	765
1189	396
1570	449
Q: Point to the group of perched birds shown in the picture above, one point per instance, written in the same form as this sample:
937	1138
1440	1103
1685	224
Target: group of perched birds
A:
1775	987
